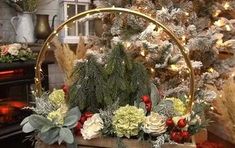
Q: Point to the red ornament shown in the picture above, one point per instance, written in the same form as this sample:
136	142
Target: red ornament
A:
185	134
182	123
176	136
146	99
170	122
88	114
65	88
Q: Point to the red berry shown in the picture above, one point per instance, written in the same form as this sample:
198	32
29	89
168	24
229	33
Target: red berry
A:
88	114
185	134
65	88
176	136
148	106
182	123
146	99
170	122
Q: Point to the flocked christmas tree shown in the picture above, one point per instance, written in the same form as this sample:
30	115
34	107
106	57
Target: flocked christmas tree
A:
205	28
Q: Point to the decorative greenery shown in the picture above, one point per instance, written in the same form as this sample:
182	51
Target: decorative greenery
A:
121	78
15	52
23	5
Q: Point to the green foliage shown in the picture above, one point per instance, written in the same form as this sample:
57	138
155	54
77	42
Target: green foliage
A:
90	85
49	132
97	86
165	108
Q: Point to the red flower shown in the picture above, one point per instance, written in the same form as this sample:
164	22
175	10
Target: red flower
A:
81	121
78	129
88	114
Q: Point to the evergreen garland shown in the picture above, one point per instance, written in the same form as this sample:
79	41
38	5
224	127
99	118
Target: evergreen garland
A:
97	86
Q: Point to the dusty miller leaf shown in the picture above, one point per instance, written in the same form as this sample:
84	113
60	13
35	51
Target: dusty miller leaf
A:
66	135
27	128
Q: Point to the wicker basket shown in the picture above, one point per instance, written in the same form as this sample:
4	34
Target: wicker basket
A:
111	142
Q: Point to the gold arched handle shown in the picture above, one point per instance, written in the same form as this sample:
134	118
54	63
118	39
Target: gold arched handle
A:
123	10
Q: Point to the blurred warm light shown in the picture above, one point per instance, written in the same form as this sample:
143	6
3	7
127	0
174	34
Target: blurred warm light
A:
211	70
219	42
216	13
228	28
152	70
142	52
186	13
226	5
174	67
219	23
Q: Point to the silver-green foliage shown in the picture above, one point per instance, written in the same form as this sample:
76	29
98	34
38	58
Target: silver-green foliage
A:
49	132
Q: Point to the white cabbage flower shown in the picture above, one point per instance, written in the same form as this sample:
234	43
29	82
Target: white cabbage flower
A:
92	127
154	124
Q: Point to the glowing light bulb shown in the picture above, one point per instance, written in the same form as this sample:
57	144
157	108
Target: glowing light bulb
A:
219	23
174	67
142	52
233	74
219	43
186	13
128	44
226	5
152	70
211	70
228	28
216	13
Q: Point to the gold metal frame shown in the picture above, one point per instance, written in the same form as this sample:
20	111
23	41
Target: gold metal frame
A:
120	10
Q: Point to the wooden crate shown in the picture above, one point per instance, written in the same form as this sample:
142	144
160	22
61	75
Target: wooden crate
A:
109	142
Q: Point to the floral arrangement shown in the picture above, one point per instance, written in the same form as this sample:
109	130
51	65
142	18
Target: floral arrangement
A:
52	120
23	5
15	52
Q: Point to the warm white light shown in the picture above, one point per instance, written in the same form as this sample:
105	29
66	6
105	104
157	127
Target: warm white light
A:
142	52
219	23
128	44
226	5
174	67
219	42
152	70
228	28
211	70
233	74
186	13
216	13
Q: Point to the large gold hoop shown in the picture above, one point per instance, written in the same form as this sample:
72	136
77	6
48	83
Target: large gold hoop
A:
43	50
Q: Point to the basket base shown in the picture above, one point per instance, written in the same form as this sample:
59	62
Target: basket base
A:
109	142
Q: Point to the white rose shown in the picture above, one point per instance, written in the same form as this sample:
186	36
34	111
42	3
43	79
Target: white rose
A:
92	127
154	124
13	50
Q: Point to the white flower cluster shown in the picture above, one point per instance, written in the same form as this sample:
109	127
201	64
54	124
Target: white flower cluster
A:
154	124
92	127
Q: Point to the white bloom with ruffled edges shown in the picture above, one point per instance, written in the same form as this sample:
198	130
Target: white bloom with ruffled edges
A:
92	127
154	124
